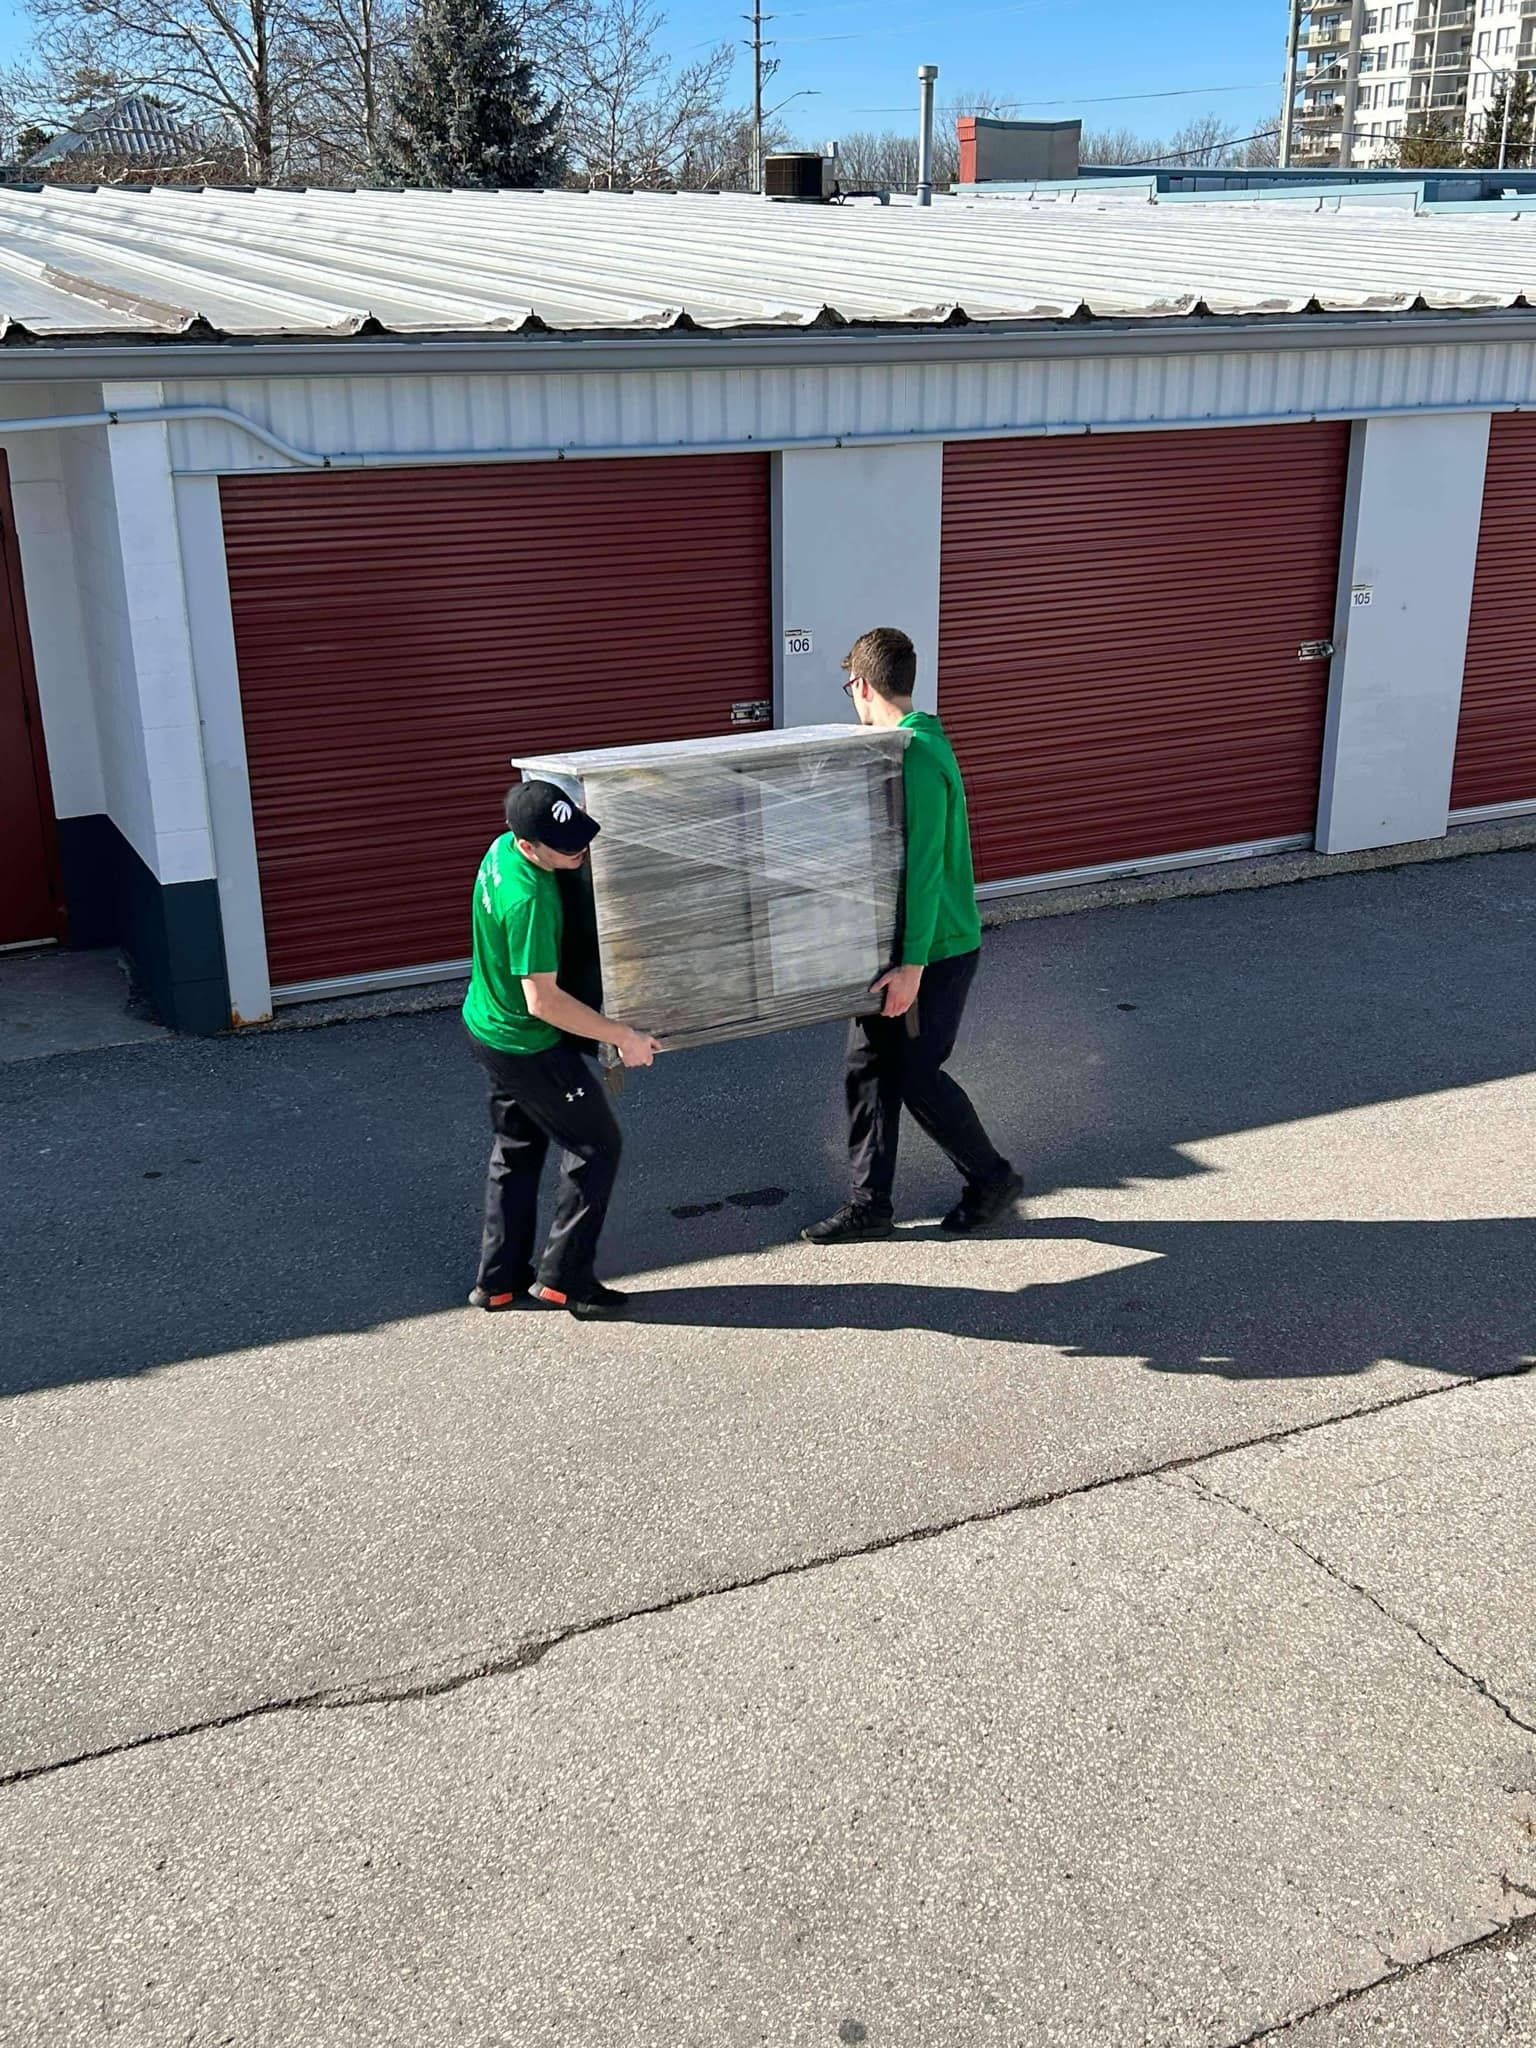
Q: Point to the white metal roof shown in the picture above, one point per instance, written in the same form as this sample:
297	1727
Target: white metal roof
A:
116	262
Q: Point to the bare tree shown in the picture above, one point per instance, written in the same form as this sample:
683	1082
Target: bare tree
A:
1263	150
297	86
346	50
1118	146
37	99
231	65
719	155
630	118
877	161
1201	143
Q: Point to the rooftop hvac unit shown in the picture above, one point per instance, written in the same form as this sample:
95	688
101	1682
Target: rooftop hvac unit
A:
795	174
741	885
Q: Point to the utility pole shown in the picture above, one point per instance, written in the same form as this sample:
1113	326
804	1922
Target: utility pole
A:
1351	86
1288	105
759	73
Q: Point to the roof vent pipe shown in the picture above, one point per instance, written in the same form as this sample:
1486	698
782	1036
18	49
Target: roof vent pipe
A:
926	74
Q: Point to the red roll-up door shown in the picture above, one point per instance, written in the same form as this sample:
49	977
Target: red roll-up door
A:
1496	741
1120	619
402	633
31	901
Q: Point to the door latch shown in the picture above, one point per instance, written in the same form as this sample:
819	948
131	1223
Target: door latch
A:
752	711
1315	650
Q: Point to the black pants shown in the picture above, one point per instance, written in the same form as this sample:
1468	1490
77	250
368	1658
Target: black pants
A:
891	1067
536	1099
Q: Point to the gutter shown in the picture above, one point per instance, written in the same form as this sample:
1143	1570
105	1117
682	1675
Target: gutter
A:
984	342
439	458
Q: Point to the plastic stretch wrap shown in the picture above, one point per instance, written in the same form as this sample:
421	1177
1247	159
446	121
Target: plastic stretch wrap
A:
742	885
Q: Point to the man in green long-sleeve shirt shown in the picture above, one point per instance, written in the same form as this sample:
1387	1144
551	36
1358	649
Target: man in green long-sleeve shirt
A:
897	1059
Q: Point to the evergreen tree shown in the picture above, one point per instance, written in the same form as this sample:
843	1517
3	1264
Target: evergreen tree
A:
1484	152
1433	144
464	106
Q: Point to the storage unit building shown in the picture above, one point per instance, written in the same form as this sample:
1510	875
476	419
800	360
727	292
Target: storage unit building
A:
323	506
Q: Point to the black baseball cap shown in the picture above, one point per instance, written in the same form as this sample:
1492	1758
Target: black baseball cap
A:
542	812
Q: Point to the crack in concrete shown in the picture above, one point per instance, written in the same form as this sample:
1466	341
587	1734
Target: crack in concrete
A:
1206	1491
1506	1935
403	1688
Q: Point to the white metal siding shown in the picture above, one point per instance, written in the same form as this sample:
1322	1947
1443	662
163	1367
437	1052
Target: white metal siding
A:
707	408
52	583
93	515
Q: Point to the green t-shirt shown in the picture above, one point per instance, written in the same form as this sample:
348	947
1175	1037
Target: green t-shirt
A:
517	921
939	918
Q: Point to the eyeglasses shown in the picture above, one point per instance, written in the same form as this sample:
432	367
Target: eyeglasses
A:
851	685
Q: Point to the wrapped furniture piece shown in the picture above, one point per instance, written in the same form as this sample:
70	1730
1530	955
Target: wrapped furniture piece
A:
744	884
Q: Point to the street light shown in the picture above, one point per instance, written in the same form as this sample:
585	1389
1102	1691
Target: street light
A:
809	92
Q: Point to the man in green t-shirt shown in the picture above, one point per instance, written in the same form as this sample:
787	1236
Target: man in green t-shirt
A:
896	1059
541	1089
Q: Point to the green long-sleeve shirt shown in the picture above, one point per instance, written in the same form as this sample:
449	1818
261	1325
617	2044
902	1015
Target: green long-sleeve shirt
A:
939	921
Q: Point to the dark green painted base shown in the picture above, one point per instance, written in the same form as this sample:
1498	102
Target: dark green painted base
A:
171	931
90	855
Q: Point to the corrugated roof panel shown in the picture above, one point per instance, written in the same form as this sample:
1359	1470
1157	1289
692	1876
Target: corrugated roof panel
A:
313	263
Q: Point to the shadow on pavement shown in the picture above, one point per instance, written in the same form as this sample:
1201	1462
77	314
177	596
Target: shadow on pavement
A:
192	1198
1235	1300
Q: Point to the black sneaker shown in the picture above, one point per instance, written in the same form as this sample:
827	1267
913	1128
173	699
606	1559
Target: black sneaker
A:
494	1304
854	1223
599	1304
980	1207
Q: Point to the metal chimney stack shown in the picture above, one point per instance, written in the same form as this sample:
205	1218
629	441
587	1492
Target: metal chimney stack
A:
926	74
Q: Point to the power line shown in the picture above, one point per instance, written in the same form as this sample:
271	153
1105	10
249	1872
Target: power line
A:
942	18
1179	156
909	28
1114	99
886	29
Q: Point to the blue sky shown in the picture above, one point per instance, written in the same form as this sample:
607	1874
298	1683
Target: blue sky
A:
862	56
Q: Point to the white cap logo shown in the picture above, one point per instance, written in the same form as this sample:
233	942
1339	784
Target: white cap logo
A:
561	812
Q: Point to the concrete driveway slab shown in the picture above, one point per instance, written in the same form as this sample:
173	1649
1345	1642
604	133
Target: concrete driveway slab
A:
1484	1998
254	1448
1431	1509
54	1001
1125	1770
434	1496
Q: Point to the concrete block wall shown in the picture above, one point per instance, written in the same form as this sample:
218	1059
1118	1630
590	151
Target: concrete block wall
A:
51	578
107	613
158	643
103	596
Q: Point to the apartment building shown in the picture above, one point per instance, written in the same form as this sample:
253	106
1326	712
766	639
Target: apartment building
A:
1358	74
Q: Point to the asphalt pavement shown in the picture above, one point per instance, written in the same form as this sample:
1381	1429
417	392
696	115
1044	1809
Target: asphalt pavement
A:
1113	1632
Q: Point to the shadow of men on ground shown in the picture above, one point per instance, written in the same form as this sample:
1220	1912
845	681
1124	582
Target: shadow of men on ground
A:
192	1199
1238	1300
